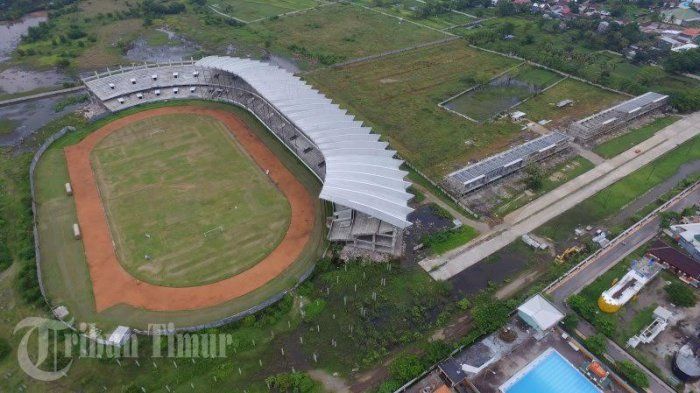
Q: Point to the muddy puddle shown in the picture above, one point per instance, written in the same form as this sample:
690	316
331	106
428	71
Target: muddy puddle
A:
176	49
28	117
11	32
16	80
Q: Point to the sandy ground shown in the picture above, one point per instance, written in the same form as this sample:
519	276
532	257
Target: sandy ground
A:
113	285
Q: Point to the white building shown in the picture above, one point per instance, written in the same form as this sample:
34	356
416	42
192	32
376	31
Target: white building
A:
540	314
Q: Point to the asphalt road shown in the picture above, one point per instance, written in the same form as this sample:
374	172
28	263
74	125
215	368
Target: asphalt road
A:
605	261
618	251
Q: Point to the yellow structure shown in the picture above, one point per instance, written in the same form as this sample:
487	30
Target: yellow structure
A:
629	285
568	253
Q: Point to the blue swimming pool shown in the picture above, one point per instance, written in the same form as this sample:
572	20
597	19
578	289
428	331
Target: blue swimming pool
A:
549	373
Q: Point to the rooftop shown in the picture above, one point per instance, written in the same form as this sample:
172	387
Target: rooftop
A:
541	311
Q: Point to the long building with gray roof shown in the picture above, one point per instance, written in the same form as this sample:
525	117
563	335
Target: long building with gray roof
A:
609	119
494	167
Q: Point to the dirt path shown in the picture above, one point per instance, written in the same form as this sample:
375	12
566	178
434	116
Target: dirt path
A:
113	285
329	382
478	225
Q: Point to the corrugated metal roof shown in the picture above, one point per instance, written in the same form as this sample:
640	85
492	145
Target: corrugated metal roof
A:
361	173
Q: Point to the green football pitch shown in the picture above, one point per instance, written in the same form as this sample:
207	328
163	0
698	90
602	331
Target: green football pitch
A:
185	203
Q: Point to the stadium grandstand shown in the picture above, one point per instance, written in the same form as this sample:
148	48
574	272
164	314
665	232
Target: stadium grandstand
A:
360	176
609	119
492	168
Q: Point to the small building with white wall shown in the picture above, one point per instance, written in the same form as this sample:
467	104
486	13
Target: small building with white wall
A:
540	314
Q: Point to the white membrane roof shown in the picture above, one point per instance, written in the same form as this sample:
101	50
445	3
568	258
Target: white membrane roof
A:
361	173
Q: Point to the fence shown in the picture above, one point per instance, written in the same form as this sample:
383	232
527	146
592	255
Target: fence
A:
554	284
40	152
552	70
229	319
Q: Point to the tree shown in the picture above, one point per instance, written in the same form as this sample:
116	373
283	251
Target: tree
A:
680	295
632	373
505	8
597	344
489	314
535	176
570	322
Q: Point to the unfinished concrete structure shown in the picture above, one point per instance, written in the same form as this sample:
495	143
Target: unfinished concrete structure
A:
610	119
493	168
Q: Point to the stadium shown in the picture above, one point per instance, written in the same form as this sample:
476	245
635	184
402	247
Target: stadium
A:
180	207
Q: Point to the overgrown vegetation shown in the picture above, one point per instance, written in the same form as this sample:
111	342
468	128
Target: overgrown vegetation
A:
68	101
631	138
443	241
607	202
597	344
574	47
632	373
292	383
680	295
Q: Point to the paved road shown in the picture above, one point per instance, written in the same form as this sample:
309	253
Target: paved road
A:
617	251
38	96
552	204
606	260
615	353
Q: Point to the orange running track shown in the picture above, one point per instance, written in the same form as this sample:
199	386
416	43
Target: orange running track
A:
113	285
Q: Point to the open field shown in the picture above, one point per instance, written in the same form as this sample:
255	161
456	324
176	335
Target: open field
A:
64	267
407	9
488	100
179	189
604	204
398	96
632	137
563	49
250	10
588	100
318	37
335	33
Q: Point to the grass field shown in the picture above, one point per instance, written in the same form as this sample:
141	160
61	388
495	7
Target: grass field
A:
64	269
594	210
484	102
250	10
398	96
339	32
633	137
181	190
488	100
588	99
406	9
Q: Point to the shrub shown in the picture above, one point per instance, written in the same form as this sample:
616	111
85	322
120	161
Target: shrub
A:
570	322
680	295
464	304
291	382
633	374
405	368
597	344
489	314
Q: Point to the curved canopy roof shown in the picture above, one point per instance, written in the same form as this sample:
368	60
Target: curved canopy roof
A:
360	172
